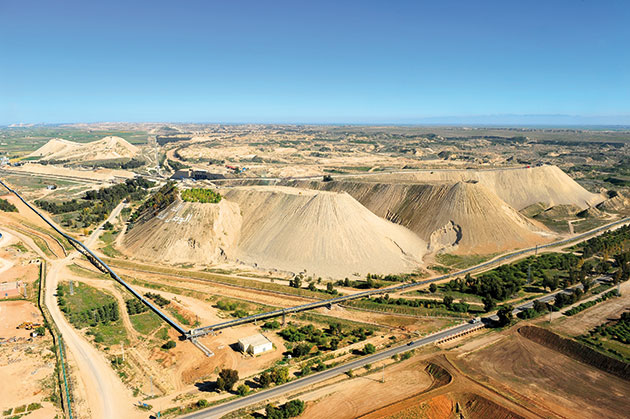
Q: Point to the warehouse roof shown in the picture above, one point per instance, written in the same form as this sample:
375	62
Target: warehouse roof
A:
254	340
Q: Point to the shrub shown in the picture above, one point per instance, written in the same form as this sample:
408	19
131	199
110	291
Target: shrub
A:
369	349
169	345
242	390
227	379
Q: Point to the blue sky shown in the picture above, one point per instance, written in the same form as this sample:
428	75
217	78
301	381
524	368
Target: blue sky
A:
315	62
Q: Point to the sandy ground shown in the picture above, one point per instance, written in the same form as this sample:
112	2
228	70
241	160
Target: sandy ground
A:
98	174
25	357
546	380
5	241
354	397
106	396
594	316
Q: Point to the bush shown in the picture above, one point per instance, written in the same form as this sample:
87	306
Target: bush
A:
201	403
271	325
369	349
169	345
157	299
242	390
227	379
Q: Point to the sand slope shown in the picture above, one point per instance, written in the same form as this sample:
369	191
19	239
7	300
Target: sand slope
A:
187	232
519	187
619	203
107	148
461	217
328	234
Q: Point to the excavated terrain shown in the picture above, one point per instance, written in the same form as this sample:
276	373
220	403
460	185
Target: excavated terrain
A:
324	233
461	217
321	233
187	232
519	187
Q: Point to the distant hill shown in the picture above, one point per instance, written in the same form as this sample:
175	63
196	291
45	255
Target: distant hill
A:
108	148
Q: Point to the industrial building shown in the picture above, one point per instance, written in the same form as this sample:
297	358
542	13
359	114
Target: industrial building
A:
255	344
196	175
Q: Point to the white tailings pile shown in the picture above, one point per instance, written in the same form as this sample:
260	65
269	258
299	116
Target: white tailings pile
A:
187	232
519	187
107	148
324	233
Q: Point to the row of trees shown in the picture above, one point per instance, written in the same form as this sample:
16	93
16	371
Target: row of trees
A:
296	282
135	306
104	314
447	302
157	299
162	198
95	206
607	243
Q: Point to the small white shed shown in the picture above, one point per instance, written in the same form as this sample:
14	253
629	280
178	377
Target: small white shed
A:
255	344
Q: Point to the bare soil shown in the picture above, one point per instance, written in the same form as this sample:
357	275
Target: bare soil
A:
546	380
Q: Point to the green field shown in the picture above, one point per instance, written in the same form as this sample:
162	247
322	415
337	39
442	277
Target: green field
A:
461	261
146	323
87	298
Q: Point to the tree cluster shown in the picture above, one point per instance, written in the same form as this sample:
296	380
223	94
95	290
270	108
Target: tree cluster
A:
95	206
206	196
92	317
135	306
226	380
290	409
326	339
608	243
159	200
157	299
277	375
6	206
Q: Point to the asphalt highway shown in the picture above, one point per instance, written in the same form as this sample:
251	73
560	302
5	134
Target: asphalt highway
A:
222	409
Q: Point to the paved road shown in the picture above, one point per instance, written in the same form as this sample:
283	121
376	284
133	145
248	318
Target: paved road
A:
96	233
398	288
220	410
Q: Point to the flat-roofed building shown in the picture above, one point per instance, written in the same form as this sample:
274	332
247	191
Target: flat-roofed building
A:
255	344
